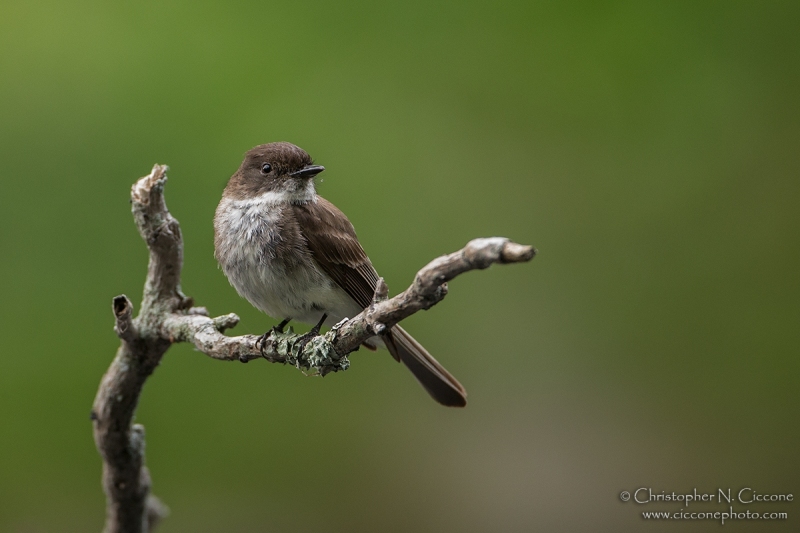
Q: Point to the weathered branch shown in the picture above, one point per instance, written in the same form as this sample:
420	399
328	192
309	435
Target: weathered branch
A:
167	316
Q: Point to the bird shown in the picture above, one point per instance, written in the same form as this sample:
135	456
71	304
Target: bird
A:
295	256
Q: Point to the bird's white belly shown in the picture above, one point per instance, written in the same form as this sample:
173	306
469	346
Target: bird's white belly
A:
282	288
303	292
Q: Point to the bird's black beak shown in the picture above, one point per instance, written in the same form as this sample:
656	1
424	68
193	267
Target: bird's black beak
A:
308	171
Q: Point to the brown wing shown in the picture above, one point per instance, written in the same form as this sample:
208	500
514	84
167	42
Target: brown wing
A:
335	247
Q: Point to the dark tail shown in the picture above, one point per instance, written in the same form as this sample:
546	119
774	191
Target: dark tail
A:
439	383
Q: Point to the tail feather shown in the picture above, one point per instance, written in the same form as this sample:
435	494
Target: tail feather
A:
439	383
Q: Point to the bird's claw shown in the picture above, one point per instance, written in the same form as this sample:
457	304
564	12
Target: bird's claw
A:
261	342
306	337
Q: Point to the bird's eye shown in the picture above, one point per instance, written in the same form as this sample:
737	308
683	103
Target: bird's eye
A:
265	168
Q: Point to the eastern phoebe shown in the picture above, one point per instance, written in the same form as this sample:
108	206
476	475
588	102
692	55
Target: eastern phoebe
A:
294	255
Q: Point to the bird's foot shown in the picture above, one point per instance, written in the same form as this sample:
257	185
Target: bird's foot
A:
306	337
261	342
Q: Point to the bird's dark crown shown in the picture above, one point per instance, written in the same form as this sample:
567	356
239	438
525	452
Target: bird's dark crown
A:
283	159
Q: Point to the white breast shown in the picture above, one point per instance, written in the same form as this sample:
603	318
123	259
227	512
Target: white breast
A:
248	234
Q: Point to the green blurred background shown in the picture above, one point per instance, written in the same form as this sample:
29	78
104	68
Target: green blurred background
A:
649	151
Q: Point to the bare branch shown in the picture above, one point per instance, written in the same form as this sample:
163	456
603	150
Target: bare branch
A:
429	288
167	317
162	233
